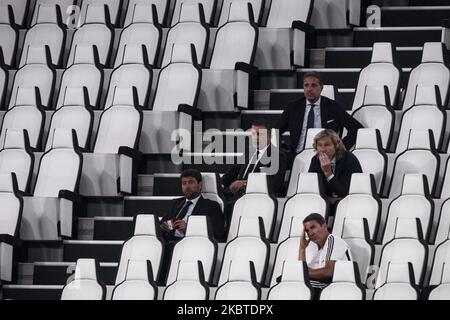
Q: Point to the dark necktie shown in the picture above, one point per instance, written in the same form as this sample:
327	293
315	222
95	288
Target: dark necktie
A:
310	122
252	166
183	211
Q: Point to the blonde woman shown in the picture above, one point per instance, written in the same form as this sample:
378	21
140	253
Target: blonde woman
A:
334	164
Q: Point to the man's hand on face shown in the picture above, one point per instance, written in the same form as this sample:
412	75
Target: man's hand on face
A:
237	185
325	164
180	225
303	241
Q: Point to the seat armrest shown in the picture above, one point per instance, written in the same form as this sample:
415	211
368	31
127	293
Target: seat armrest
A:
69	195
245	67
129	152
305	27
11	240
194	112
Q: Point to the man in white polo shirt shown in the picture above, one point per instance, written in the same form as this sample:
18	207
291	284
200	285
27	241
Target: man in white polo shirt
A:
330	249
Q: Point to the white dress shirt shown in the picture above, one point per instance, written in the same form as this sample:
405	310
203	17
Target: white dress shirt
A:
179	233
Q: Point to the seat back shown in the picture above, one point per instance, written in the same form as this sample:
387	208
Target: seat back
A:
236	40
19	10
94	31
12	205
420	158
241	282
138	283
307	199
255	203
303	160
346	284
190	28
209	9
381	72
356	234
60	167
362	194
121	124
112	6
442	291
283	12
407	246
62	7
399	283
376	113
46	32
17	157
189	283
36	72
179	82
443	228
132	72
257	8
85	285
83	71
3	79
441	264
9	35
144	245
249	245
370	155
432	71
143	31
294	284
414	202
136	6
197	245
424	116
25	115
75	114
210	188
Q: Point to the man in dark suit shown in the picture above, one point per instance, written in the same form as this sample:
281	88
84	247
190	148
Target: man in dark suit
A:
174	222
315	111
265	158
333	164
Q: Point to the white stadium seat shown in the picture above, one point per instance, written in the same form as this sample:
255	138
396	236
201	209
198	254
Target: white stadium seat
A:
197	245
381	72
9	35
17	157
85	285
48	213
209	9
255	203
145	244
294	283
108	170
138	283
371	156
241	283
431	72
346	284
12	205
399	283
189	283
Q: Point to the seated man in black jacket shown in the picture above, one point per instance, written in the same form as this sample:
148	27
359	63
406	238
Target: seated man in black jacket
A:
174	222
265	158
334	164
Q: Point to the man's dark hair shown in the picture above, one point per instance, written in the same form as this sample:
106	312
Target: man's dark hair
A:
261	122
194	173
315	217
313	74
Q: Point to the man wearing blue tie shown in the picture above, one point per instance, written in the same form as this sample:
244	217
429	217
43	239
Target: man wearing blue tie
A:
315	111
174	222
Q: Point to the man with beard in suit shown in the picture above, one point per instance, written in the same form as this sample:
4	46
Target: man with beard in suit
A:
174	223
315	111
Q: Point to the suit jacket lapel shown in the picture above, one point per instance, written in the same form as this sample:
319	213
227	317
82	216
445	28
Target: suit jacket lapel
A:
324	116
198	206
299	116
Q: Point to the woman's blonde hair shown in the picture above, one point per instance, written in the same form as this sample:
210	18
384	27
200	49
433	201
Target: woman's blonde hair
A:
338	145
